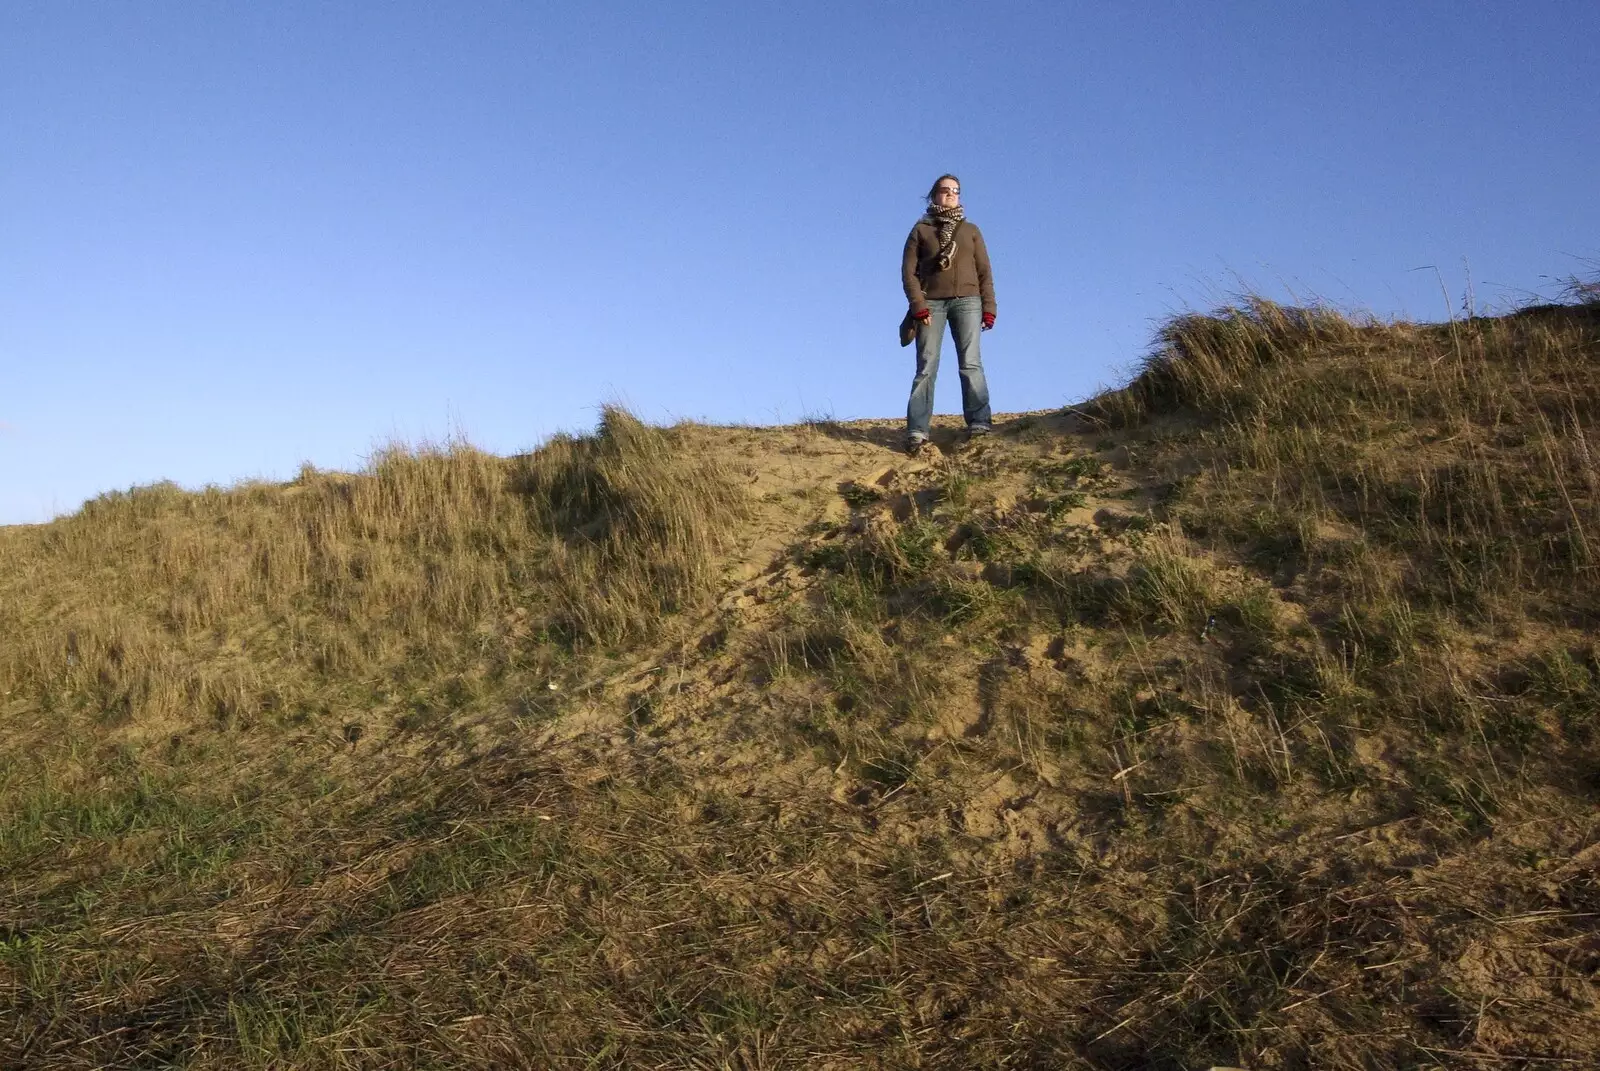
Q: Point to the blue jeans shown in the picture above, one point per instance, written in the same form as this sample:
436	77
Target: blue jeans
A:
965	315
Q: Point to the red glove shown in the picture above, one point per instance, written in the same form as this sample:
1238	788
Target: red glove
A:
988	320
922	314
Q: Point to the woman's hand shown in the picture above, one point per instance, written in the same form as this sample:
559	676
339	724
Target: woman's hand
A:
988	320
922	314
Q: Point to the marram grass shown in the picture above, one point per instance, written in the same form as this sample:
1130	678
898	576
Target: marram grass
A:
1247	716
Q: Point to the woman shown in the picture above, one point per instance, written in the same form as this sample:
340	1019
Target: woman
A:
946	274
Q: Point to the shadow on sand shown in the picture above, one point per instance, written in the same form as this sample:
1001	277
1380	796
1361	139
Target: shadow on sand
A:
947	433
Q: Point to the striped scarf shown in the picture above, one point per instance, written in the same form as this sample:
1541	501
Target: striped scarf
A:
944	221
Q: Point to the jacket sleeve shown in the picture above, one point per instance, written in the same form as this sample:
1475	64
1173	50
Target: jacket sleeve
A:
980	255
908	273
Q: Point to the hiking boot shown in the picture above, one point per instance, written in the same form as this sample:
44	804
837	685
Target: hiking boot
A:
978	431
915	446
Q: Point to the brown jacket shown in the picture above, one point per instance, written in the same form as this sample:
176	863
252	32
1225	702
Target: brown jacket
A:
967	275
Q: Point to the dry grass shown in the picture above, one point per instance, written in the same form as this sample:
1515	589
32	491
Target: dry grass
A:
1256	726
442	561
1461	452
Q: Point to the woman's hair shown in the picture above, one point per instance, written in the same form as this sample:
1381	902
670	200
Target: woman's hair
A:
935	185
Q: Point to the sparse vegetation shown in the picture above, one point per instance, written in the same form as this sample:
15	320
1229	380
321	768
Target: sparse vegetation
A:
1249	715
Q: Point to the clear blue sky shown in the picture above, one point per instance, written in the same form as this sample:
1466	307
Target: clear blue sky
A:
238	236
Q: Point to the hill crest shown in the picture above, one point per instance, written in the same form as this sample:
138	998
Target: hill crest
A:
1243	715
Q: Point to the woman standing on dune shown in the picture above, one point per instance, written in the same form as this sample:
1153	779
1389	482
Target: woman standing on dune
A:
945	270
